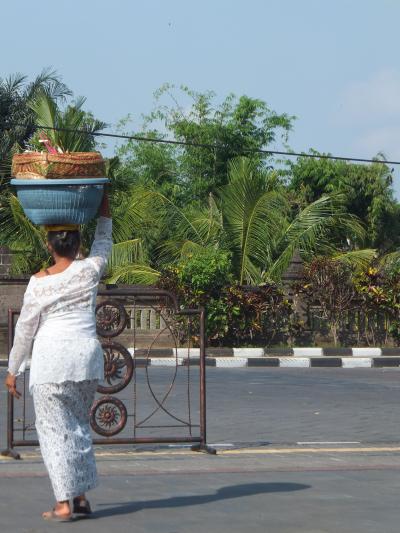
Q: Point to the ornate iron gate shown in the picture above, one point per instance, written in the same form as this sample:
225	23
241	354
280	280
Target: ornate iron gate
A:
123	412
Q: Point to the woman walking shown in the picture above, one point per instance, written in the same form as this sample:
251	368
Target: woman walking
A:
57	325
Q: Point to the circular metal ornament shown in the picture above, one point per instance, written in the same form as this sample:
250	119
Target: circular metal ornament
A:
111	318
108	416
118	368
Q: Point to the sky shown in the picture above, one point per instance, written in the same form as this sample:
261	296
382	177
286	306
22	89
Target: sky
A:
334	64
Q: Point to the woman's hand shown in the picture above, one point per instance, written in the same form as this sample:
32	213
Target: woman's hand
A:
11	384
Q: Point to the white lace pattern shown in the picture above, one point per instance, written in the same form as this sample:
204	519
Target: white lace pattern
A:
57	320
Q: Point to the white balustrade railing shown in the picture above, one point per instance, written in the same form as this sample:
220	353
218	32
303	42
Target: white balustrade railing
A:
144	318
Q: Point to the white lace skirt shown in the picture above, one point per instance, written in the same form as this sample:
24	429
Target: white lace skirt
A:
62	425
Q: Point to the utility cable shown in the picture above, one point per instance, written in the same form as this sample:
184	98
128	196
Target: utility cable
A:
211	146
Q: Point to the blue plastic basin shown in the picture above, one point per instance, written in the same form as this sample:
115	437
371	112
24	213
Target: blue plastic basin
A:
67	201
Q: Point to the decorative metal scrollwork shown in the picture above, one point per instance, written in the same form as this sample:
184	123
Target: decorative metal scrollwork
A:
118	368
108	416
111	318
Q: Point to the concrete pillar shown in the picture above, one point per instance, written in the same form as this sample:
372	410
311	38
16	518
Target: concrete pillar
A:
5	262
153	319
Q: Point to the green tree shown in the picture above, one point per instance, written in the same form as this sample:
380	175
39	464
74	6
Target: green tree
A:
252	220
150	165
366	189
233	128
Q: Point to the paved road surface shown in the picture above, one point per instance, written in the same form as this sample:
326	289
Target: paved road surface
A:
273	405
265	482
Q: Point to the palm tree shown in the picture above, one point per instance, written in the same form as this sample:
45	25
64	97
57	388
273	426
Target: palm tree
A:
16	118
41	109
253	219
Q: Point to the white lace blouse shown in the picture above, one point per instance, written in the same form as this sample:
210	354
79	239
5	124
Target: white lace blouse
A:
57	323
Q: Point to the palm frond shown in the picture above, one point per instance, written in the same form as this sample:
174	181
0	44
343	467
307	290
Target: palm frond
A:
49	82
254	217
20	263
83	126
16	228
13	83
125	253
310	231
46	111
390	260
75	128
132	211
357	259
134	274
208	223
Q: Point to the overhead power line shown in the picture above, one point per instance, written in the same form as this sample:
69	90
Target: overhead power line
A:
213	146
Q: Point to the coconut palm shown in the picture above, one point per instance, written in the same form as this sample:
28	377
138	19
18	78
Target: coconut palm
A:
253	219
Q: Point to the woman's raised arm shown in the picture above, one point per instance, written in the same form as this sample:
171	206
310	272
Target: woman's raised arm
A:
102	244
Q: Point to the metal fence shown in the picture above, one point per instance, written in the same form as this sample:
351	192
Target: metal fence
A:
140	401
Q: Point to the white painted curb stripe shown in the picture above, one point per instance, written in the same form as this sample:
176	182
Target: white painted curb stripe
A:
230	362
367	352
359	362
166	361
183	352
307	352
248	352
291	362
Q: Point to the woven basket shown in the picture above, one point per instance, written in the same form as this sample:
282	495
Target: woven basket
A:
39	165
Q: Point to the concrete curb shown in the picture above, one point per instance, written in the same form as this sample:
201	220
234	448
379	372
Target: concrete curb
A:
269	352
312	357
276	362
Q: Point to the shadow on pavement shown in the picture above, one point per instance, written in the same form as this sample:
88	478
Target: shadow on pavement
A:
224	493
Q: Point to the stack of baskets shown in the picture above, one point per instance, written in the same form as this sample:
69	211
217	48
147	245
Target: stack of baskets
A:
62	188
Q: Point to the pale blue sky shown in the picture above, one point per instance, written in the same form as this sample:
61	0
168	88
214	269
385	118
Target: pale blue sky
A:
333	63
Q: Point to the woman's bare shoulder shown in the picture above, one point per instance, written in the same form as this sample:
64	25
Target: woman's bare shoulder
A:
40	274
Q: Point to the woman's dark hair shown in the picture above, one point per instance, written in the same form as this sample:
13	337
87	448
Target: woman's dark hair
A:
65	243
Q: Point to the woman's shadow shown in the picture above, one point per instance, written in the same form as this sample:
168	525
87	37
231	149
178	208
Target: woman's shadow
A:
224	493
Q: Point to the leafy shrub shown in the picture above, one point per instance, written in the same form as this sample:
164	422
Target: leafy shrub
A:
246	315
327	283
197	278
236	315
378	289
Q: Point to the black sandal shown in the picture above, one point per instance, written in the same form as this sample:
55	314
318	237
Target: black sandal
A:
82	507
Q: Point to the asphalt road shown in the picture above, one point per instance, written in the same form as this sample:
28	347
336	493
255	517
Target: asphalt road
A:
251	406
343	477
